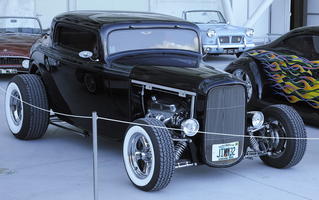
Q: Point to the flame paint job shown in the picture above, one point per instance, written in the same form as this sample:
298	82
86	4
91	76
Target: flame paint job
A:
291	76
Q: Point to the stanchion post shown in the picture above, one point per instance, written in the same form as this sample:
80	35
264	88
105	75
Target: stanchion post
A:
95	159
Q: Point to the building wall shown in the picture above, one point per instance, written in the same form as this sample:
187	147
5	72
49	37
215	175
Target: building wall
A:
242	10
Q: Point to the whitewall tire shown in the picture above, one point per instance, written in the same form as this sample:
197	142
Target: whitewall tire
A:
25	105
148	154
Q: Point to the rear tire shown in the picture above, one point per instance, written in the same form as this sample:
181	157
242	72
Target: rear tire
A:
148	154
288	124
27	122
245	75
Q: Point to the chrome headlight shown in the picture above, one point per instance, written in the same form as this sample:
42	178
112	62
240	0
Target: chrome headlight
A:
250	32
25	64
211	33
257	119
190	127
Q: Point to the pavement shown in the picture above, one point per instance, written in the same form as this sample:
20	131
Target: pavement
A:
59	167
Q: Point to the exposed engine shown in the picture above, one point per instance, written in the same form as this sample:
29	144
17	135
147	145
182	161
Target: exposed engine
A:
171	114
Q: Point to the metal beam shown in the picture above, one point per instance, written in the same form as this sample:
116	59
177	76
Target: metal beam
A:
258	13
228	11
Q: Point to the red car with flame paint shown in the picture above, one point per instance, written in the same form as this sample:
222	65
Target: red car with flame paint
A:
17	34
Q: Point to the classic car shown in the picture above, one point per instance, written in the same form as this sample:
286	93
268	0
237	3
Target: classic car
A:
284	71
218	36
17	34
146	69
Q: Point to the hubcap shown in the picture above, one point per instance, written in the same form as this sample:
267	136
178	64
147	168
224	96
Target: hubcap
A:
276	131
140	155
16	107
242	75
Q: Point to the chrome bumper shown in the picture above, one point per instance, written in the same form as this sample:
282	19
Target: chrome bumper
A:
8	71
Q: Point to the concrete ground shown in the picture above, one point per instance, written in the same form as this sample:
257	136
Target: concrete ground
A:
59	167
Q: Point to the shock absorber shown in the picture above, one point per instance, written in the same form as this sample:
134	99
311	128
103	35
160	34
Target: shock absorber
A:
254	143
179	149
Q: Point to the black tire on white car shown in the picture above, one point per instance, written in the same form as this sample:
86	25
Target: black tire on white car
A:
285	122
148	154
26	122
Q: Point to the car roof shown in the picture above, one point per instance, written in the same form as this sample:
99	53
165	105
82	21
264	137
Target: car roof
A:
95	18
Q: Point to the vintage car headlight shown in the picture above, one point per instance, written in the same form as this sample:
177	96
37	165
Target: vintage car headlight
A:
25	64
257	119
190	127
211	33
250	32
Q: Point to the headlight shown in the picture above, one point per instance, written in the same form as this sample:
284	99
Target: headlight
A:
250	32
25	64
190	127
257	119
211	33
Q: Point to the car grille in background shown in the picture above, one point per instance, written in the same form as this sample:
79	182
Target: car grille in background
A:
224	39
11	61
226	114
230	39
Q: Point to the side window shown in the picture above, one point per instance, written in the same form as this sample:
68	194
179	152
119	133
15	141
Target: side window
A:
304	45
76	39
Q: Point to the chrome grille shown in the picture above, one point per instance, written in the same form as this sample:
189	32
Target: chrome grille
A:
236	39
225	113
230	39
11	61
224	39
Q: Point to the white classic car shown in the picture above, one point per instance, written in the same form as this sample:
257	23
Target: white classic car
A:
218	36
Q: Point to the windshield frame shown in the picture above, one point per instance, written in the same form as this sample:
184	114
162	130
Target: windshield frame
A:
19	17
198	11
106	30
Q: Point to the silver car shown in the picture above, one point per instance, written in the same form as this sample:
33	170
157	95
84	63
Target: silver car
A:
218	36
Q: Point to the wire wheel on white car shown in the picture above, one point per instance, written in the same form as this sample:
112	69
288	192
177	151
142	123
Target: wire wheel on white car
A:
148	153
25	94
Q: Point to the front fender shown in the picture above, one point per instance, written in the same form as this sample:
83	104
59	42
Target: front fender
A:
250	64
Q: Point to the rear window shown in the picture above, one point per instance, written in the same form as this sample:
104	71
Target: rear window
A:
76	39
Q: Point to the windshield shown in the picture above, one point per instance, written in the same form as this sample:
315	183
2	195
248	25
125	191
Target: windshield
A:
138	39
19	25
205	17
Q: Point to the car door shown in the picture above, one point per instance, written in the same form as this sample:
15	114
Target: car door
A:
81	84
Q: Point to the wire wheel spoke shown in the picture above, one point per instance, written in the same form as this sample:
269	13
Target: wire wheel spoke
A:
243	76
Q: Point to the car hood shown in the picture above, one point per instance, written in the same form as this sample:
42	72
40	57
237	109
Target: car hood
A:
16	44
222	29
198	79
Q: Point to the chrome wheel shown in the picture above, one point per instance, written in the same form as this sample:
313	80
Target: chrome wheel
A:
242	75
277	131
16	107
140	155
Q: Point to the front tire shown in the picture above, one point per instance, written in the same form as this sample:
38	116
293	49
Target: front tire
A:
25	93
284	121
148	154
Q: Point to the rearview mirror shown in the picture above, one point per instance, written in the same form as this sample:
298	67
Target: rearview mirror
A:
86	54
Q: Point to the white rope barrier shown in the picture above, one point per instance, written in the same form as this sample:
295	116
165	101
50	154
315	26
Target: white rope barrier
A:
145	125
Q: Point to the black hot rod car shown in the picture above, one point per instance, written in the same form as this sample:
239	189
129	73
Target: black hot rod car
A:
147	68
284	71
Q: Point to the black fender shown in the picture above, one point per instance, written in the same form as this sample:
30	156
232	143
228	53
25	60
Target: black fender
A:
251	65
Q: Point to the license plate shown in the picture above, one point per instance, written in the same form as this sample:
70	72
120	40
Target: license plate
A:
231	51
227	151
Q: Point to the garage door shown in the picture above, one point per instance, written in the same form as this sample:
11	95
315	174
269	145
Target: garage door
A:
313	12
46	10
136	5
